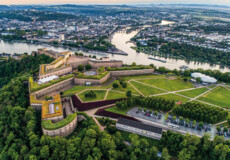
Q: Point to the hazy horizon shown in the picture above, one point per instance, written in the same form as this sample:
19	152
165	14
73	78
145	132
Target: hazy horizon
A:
111	2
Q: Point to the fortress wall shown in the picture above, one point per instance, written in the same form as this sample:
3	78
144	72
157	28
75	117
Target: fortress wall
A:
58	72
64	131
111	64
131	72
79	81
77	63
53	88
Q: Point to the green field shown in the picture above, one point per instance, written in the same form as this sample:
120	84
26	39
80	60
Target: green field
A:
143	76
115	95
152	142
77	89
115	109
100	96
219	96
174	97
193	93
168	84
146	90
129	88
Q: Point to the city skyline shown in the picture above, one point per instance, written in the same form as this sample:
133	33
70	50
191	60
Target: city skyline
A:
106	2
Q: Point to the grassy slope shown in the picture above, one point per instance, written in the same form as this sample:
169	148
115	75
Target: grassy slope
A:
115	95
168	84
193	93
219	96
174	97
146	90
129	88
100	96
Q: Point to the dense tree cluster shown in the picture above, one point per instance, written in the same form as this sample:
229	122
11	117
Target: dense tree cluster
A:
195	53
190	147
200	112
28	64
156	103
90	94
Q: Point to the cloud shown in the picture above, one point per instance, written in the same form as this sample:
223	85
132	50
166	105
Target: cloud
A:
218	2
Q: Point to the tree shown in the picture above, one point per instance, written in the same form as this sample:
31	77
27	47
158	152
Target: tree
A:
124	85
228	119
88	67
129	94
218	128
80	68
115	85
133	64
45	152
198	79
165	154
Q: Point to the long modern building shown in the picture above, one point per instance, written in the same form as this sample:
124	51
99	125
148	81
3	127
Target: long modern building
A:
139	128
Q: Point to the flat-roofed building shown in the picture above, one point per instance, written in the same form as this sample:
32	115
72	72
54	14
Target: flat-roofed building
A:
139	128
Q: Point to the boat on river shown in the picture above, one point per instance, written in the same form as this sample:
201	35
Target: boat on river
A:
163	61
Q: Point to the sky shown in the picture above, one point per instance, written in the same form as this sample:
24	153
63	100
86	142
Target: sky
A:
213	2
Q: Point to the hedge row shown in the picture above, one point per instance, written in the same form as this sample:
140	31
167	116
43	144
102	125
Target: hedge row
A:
129	68
91	105
98	77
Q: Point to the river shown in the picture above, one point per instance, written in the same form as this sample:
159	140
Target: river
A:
120	40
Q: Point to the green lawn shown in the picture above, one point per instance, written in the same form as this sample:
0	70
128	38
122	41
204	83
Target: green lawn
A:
143	76
168	84
115	95
100	96
220	96
174	97
152	142
129	88
146	90
193	93
115	109
77	89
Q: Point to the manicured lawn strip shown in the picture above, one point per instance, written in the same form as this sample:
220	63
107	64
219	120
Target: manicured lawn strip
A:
152	142
146	90
115	109
129	68
220	96
168	84
129	88
100	96
174	97
115	95
143	76
77	89
193	93
47	124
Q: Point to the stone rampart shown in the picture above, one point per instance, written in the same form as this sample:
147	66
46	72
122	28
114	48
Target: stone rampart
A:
64	131
53	88
78	81
131	72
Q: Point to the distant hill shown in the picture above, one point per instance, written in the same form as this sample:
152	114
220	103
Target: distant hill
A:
4	7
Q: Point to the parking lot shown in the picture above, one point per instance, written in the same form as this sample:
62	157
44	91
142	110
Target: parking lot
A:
173	123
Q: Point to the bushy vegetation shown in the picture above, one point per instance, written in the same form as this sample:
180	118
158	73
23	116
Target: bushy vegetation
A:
191	147
47	124
129	68
148	102
200	112
90	94
28	64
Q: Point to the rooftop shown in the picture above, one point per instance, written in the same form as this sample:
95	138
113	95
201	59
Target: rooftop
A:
52	108
139	125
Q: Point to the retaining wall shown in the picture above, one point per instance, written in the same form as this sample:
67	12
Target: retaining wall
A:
131	72
79	81
64	131
57	72
53	88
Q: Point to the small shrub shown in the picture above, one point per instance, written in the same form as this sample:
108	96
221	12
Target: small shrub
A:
115	85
